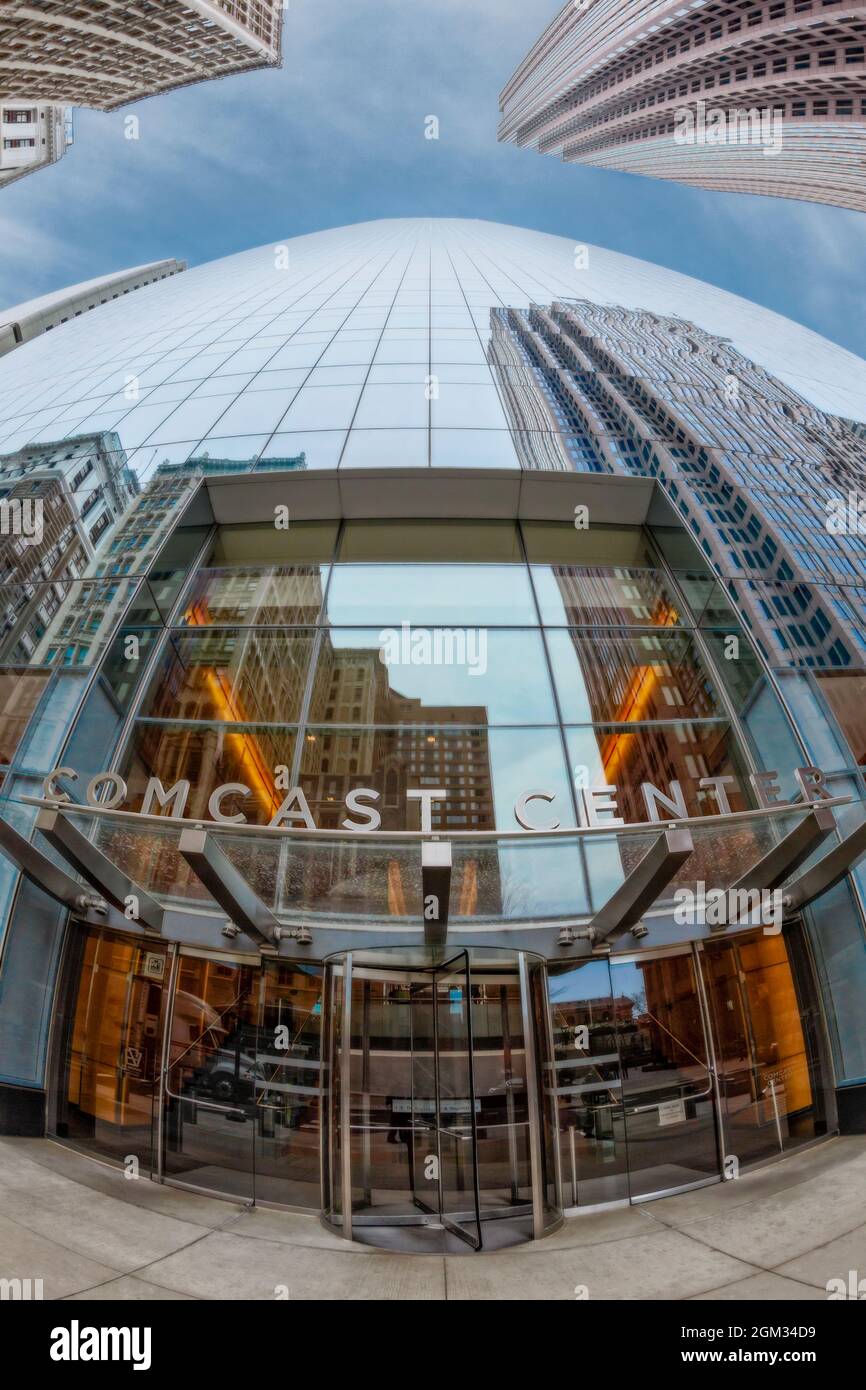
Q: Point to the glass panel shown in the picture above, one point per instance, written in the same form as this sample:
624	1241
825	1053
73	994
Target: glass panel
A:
483	772
124	664
254	597
453	675
617	678
150	604
545	1085
678	547
320	448
384	1113
659	753
417	1114
666	1084
212	1076
827	748
20	692
332	1094
457	1102
486	449
840	956
737	665
447	595
580	597
210	756
171	569
591	1128
111	1031
385	449
68	623
287	1085
773	738
845	693
707	600
768	1068
502	1094
232	675
723	853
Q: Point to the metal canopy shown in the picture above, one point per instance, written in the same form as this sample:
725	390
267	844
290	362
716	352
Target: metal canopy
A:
436	863
827	872
39	869
782	860
637	894
108	880
229	888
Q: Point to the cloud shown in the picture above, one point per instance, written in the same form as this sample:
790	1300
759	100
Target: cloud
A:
29	253
337	136
817	251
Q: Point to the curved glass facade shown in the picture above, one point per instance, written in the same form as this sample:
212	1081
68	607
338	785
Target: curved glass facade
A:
307	661
322	346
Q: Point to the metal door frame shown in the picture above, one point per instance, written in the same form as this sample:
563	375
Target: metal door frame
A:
690	949
345	1220
790	925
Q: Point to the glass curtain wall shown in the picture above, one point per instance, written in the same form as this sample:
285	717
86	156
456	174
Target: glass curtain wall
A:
535	655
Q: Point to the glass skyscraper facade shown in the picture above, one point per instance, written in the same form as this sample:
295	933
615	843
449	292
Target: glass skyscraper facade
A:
351	795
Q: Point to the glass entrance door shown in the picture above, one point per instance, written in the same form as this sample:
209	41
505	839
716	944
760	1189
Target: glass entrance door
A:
242	1078
437	1116
444	1141
768	1043
668	1086
105	1090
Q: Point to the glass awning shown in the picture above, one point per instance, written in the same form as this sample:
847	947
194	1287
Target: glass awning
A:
600	882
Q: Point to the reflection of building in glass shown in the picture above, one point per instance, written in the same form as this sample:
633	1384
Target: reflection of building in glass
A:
389	743
399	742
638	88
753	468
260	659
92	608
79	488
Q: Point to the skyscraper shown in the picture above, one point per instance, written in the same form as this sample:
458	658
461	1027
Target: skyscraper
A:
375	743
64	53
761	477
33	134
767	97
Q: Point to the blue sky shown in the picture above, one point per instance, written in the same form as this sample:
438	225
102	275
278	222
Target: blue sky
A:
337	136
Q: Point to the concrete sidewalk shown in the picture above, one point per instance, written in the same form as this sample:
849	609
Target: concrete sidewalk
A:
88	1232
